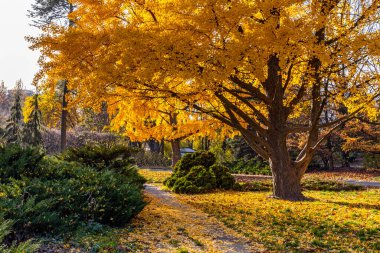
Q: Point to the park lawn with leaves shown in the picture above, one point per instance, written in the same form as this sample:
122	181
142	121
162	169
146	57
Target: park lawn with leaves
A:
360	175
331	221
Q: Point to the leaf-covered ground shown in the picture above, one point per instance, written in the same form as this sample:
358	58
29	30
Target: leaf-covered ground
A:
155	176
167	225
346	221
332	222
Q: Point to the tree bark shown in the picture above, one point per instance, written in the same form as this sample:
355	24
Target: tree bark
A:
176	151
286	175
64	101
286	181
64	118
162	147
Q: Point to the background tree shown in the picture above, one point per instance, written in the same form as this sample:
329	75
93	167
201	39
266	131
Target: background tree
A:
153	118
266	69
4	103
32	129
47	13
14	123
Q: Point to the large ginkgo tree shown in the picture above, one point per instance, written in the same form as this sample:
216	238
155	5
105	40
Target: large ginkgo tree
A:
266	69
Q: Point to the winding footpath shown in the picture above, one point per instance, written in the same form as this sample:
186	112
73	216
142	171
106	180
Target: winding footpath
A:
183	226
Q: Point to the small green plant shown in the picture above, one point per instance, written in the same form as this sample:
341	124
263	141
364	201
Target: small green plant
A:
198	173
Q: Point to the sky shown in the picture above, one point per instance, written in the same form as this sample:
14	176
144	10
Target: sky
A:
16	59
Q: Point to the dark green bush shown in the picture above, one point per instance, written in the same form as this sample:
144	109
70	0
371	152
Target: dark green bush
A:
329	185
101	156
224	179
196	173
204	158
252	166
5	230
53	196
200	179
16	161
78	195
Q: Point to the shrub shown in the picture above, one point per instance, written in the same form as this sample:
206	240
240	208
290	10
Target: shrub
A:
204	158
252	166
372	161
199	179
224	179
5	230
59	204
53	196
329	185
101	156
196	173
16	161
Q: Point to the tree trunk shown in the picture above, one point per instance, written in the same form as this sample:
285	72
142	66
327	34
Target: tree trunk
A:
286	175
64	118
64	101
286	181
162	147
176	151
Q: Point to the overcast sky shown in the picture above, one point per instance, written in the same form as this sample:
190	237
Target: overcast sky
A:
16	59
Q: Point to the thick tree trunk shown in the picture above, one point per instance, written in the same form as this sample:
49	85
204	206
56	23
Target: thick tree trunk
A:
286	181
176	151
286	175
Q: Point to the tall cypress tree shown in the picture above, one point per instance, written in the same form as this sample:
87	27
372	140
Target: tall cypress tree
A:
32	130
14	123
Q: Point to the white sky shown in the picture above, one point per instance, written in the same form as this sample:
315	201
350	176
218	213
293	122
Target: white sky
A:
16	59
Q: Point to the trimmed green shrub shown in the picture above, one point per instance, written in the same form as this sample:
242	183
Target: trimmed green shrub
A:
60	204
199	179
16	162
53	196
224	179
197	173
101	156
252	166
204	158
329	185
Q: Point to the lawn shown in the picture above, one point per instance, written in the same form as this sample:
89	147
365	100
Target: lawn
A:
331	222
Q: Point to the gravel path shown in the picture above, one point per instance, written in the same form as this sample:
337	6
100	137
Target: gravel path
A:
224	239
363	183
